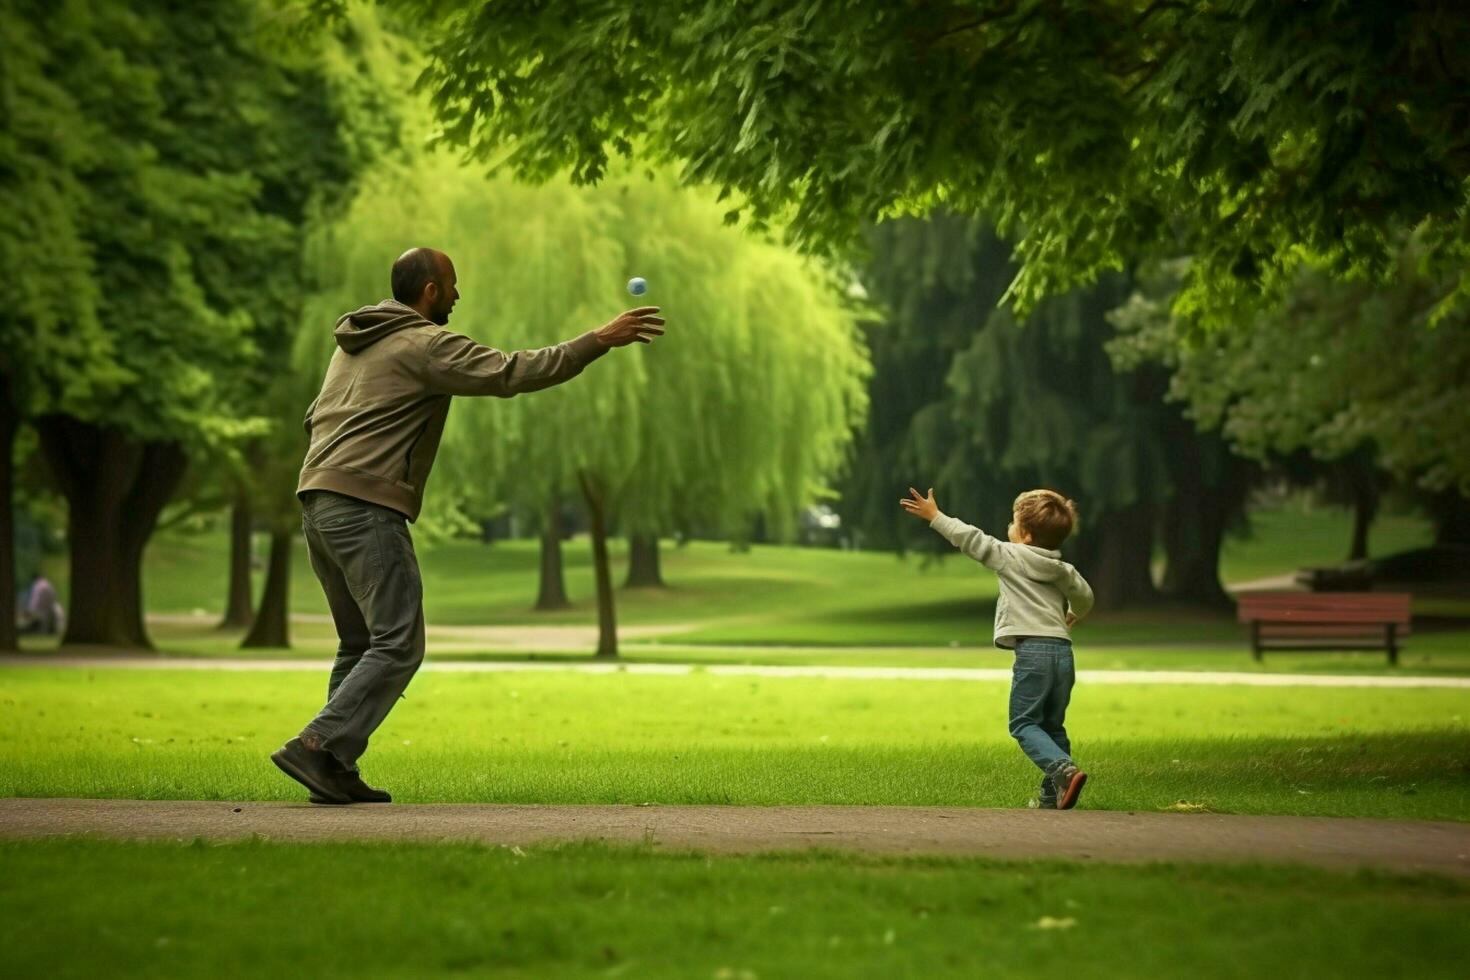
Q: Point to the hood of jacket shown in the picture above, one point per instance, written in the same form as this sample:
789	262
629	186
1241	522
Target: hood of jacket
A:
360	329
1039	564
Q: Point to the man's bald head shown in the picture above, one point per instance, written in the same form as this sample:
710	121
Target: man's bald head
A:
424	279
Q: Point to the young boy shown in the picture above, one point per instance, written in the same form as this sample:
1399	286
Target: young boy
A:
1041	596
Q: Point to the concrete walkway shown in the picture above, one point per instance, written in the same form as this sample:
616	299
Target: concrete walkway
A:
1087	835
1198	677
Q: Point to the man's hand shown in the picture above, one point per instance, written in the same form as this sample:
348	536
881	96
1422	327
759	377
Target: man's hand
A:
920	506
1071	619
640	325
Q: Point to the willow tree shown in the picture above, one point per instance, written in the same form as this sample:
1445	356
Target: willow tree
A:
746	406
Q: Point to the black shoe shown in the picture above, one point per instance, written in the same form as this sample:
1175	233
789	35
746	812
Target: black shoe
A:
1068	781
311	769
357	791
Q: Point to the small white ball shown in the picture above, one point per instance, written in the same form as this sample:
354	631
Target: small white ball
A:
637	286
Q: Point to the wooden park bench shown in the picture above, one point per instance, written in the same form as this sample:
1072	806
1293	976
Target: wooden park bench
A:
1325	620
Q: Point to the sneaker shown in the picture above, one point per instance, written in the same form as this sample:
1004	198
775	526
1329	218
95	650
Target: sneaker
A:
312	769
1068	781
1041	804
357	791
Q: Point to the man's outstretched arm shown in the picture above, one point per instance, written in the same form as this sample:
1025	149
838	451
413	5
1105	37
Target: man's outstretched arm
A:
458	365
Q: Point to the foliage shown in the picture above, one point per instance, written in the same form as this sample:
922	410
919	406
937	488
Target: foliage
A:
1251	134
1339	368
746	405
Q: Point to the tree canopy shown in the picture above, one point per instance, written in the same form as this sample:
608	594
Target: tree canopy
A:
158	167
1339	369
746	406
1250	134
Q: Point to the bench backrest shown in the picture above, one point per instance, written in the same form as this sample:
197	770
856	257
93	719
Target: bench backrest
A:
1337	608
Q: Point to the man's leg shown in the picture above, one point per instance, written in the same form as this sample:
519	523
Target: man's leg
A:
353	638
373	549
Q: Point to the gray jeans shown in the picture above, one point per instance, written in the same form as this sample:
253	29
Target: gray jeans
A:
1041	689
363	556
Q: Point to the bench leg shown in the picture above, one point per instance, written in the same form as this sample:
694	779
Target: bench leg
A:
1393	646
1256	640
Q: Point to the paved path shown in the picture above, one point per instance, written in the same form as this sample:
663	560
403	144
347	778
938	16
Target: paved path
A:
539	637
134	662
1094	835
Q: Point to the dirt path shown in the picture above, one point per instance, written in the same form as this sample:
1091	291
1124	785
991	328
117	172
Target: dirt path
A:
123	661
1095	835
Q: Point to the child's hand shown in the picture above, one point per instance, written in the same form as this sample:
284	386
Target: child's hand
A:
920	506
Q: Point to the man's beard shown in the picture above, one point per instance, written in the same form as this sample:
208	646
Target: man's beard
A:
439	317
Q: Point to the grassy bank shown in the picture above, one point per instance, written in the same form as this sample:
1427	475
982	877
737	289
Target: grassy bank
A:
701	738
585	911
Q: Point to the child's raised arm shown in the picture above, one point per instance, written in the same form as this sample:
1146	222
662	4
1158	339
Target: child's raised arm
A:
971	540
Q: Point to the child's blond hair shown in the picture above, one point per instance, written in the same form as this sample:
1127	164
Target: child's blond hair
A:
1046	516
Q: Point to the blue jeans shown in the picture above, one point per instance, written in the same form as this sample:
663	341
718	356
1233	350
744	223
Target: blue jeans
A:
1041	688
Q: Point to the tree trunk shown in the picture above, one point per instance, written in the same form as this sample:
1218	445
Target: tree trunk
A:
1210	487
9	420
1451	515
115	488
272	626
1365	508
1118	569
552	593
237	596
607	629
643	563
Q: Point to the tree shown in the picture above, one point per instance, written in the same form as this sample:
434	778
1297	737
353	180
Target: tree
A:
53	353
201	144
974	401
744	407
1248	133
1341	369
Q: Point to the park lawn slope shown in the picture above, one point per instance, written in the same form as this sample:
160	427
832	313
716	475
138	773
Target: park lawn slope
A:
768	593
554	737
256	909
1440	653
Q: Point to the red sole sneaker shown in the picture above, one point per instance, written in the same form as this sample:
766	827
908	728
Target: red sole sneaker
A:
1068	799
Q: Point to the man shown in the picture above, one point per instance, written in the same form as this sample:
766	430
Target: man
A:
374	430
43	612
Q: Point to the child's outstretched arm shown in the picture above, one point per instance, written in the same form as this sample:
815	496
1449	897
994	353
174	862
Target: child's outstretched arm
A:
971	540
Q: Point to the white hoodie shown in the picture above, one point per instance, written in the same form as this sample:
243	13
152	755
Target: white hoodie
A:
1037	588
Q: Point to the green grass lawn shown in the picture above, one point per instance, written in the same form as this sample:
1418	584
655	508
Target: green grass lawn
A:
1429	654
330	910
556	737
815	598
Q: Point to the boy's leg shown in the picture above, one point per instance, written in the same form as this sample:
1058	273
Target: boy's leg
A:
1054	712
1066	780
1032	679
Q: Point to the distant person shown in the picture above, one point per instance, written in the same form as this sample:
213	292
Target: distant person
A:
42	611
1041	597
374	430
